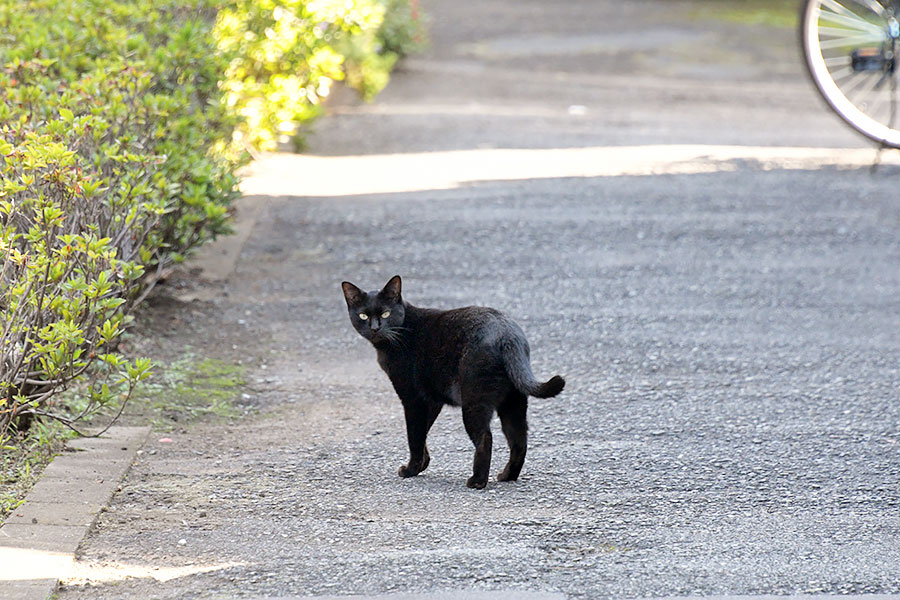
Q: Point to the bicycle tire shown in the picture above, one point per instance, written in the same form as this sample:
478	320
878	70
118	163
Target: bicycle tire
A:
849	48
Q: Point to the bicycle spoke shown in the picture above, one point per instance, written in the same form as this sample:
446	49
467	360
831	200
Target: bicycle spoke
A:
842	74
835	32
838	8
841	9
842	60
859	83
851	41
875	7
875	107
853	84
854	23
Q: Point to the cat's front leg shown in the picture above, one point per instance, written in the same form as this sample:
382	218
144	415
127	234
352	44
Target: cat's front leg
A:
420	415
414	467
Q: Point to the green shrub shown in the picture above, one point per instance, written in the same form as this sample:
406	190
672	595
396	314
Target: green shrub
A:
114	162
287	54
174	113
117	156
75	211
401	32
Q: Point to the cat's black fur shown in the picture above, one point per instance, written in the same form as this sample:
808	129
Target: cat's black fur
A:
472	357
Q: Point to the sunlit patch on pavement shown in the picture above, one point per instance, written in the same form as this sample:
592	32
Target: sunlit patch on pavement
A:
320	176
95	572
24	564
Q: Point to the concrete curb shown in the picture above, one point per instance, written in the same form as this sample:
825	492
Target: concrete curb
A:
39	539
217	259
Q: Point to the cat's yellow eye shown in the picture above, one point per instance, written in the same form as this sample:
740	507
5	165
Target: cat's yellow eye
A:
385	314
363	316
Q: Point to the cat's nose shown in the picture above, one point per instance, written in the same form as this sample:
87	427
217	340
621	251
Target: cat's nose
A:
375	324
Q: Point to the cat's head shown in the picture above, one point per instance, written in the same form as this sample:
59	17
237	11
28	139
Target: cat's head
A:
377	315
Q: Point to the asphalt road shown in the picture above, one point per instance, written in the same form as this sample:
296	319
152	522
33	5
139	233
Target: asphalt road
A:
729	331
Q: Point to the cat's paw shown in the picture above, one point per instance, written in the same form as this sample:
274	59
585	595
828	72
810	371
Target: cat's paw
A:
476	484
505	476
409	470
405	472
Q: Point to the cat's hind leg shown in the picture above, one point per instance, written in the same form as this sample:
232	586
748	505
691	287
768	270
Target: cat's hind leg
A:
512	413
477	419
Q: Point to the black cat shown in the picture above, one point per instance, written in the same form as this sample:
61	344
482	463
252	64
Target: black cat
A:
472	357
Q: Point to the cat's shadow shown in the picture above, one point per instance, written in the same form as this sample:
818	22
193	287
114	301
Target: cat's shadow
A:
445	483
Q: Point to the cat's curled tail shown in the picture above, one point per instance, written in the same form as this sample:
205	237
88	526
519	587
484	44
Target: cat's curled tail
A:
518	367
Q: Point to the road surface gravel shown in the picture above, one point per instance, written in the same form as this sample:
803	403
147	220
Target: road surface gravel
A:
730	338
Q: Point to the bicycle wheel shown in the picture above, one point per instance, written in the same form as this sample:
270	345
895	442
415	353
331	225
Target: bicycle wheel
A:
850	48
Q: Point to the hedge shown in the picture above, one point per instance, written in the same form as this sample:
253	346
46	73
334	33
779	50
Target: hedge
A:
122	126
287	54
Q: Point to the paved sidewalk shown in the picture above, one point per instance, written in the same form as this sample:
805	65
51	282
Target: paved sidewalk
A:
39	539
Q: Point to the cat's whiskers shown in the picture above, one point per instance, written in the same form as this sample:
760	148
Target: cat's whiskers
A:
393	335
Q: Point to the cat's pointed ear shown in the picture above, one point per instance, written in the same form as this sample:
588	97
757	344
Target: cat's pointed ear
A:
352	294
391	291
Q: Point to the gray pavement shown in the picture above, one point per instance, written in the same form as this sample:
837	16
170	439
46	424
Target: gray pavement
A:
727	324
39	538
451	595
